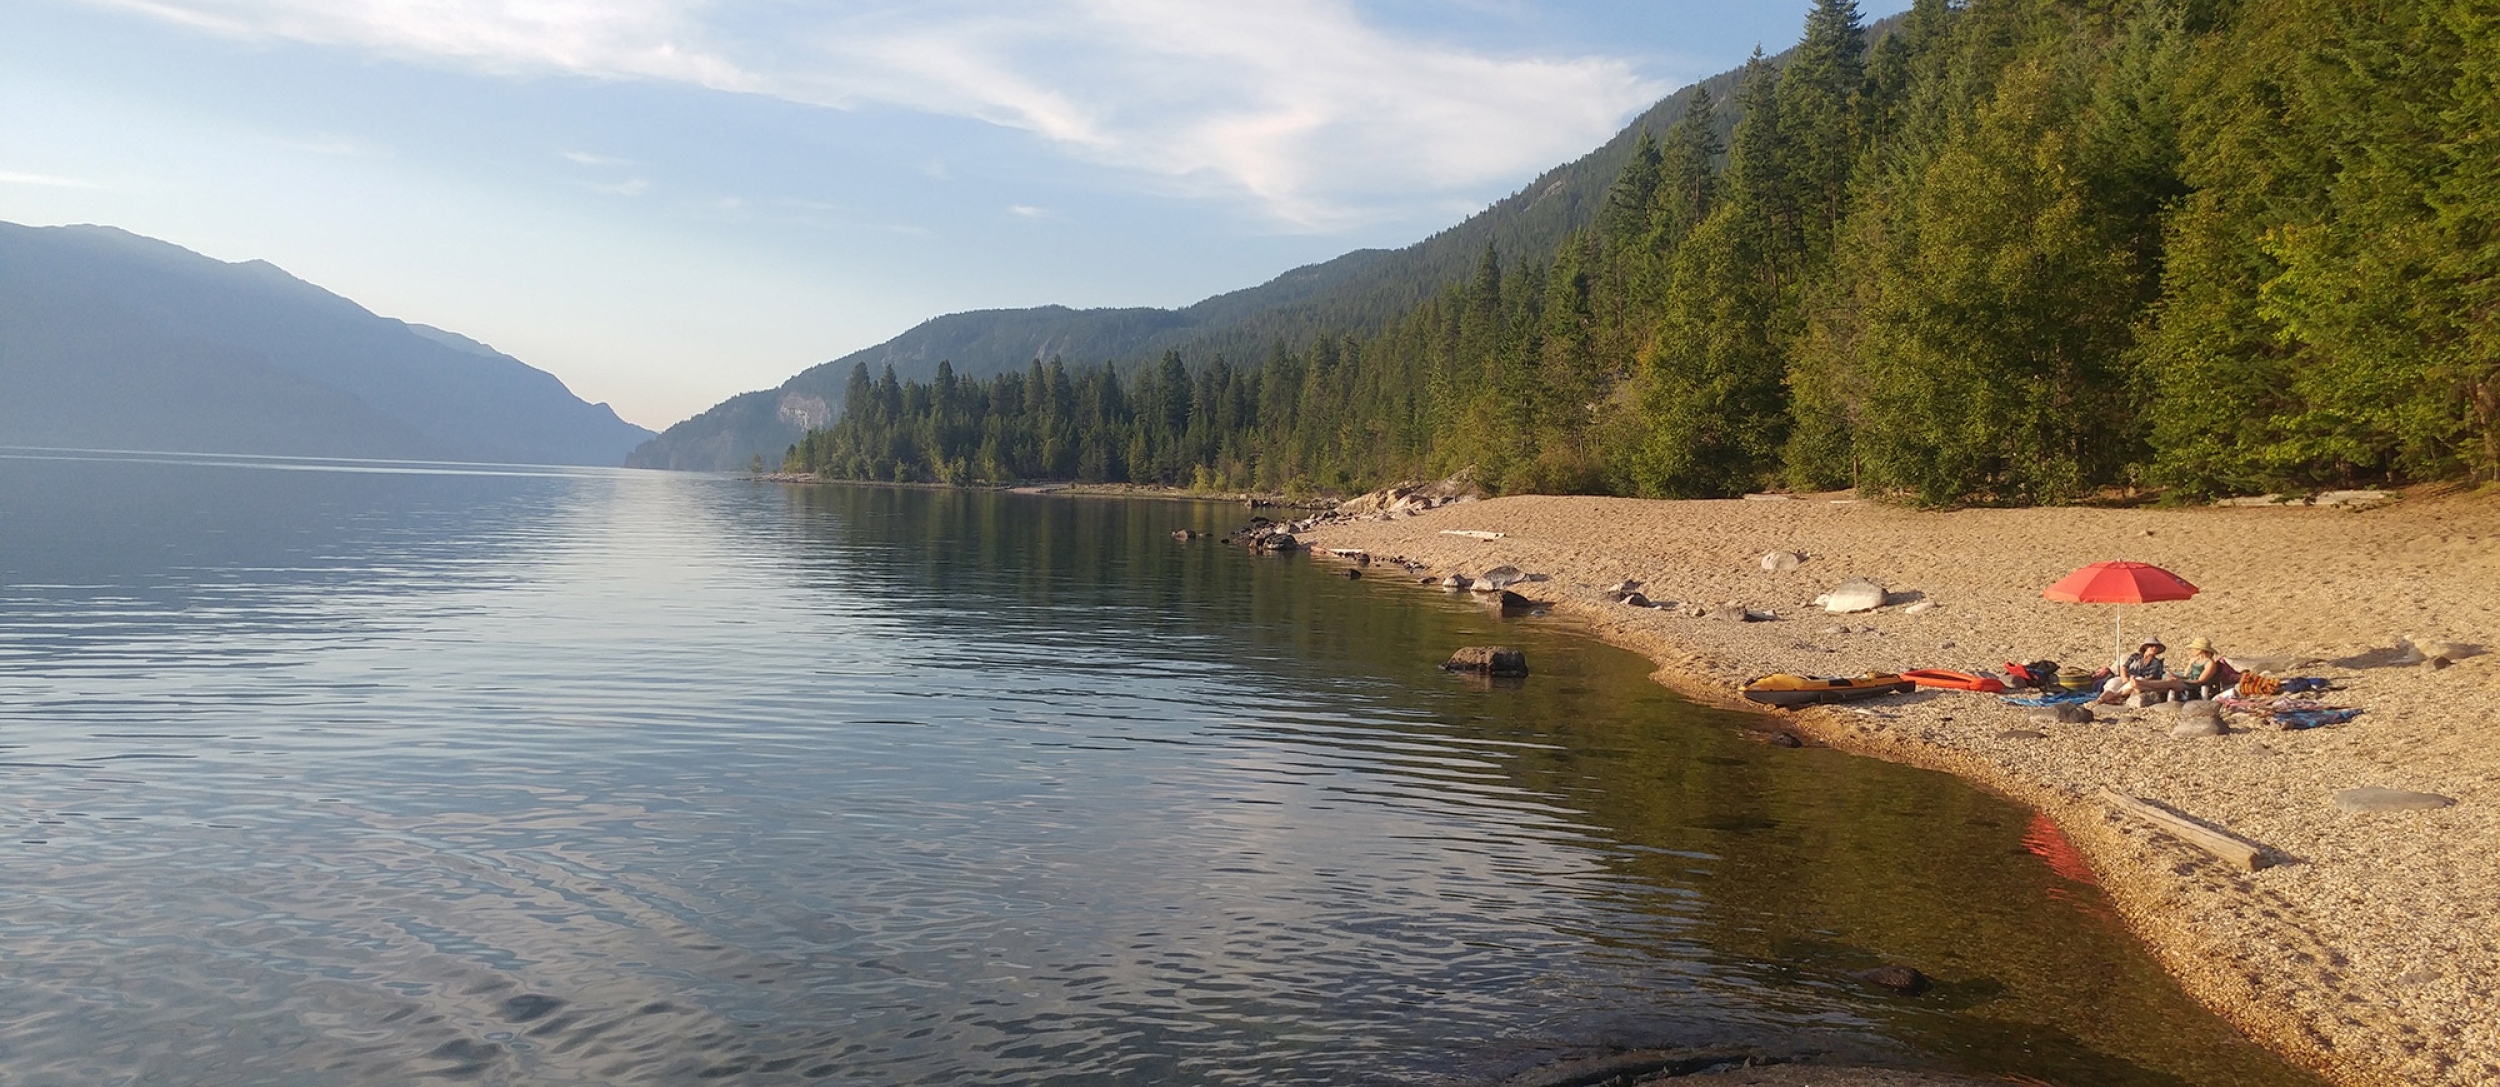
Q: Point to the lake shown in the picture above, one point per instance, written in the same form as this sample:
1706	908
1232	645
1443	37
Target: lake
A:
362	773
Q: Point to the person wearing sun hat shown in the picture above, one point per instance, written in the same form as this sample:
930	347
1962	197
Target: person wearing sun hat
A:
2207	675
2140	672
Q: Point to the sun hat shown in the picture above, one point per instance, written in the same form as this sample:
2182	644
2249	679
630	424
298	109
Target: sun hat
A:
2154	641
2199	644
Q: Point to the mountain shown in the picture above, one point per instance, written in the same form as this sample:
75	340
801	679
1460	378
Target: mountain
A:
113	340
1355	294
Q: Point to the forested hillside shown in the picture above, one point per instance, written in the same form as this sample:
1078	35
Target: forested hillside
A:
1359	293
2016	251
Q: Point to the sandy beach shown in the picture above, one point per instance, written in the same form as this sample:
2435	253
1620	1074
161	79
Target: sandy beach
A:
2369	949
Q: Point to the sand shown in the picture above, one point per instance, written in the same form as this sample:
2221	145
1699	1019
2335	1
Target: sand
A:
2370	950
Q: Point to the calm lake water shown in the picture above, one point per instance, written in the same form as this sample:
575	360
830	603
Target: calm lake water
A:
348	774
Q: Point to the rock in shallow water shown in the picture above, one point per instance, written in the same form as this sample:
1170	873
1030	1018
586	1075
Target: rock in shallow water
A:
1491	660
2372	798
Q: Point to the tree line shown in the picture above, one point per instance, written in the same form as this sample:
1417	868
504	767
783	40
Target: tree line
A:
2009	251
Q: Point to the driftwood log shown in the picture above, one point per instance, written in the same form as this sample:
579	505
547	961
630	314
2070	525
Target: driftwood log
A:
2248	856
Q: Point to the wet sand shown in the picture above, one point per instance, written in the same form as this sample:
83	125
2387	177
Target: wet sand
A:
2370	949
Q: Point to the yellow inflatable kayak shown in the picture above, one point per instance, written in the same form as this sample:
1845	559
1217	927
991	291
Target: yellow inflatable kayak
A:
1788	690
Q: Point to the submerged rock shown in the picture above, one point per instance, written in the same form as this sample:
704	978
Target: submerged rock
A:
1899	979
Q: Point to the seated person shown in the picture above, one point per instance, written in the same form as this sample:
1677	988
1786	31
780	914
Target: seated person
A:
2207	674
2137	673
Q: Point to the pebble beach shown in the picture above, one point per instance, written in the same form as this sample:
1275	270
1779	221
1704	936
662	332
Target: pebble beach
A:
2367	946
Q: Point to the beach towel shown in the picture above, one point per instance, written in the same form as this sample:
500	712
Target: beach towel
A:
2295	720
2053	698
2293	714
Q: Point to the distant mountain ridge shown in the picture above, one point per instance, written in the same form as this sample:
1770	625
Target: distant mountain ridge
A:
113	340
1354	294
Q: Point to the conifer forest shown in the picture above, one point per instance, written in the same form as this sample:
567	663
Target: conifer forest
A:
1996	251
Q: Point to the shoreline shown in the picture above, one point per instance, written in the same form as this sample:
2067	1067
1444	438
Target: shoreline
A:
1249	499
2370	952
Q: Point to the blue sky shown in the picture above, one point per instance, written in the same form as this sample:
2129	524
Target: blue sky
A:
665	202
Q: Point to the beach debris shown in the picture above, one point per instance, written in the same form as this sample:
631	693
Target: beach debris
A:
2357	500
2373	798
1920	608
2244	854
1781	562
1490	660
1854	595
1900	979
1471	534
1767	498
1627	585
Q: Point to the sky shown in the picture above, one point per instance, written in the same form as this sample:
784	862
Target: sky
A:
667	202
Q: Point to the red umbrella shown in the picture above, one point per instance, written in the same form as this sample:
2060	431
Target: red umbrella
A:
2120	583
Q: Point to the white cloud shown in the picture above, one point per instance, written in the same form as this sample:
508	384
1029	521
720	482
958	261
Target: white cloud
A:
49	181
1302	105
585	158
1028	211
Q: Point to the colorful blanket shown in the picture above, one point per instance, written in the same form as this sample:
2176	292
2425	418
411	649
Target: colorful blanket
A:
2293	714
2053	698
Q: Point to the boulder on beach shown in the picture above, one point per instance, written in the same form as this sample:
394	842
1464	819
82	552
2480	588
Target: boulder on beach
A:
1511	602
1457	581
2069	714
1781	562
1854	595
1627	585
1728	613
1490	660
1502	577
2190	728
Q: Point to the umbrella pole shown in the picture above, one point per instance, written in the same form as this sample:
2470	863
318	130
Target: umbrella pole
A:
2117	634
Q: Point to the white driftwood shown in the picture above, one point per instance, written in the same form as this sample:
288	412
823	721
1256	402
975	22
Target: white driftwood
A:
1471	534
2248	856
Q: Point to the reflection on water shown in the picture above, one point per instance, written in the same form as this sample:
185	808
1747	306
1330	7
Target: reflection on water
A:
340	775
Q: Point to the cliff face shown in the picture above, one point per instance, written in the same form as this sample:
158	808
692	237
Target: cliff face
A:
112	340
